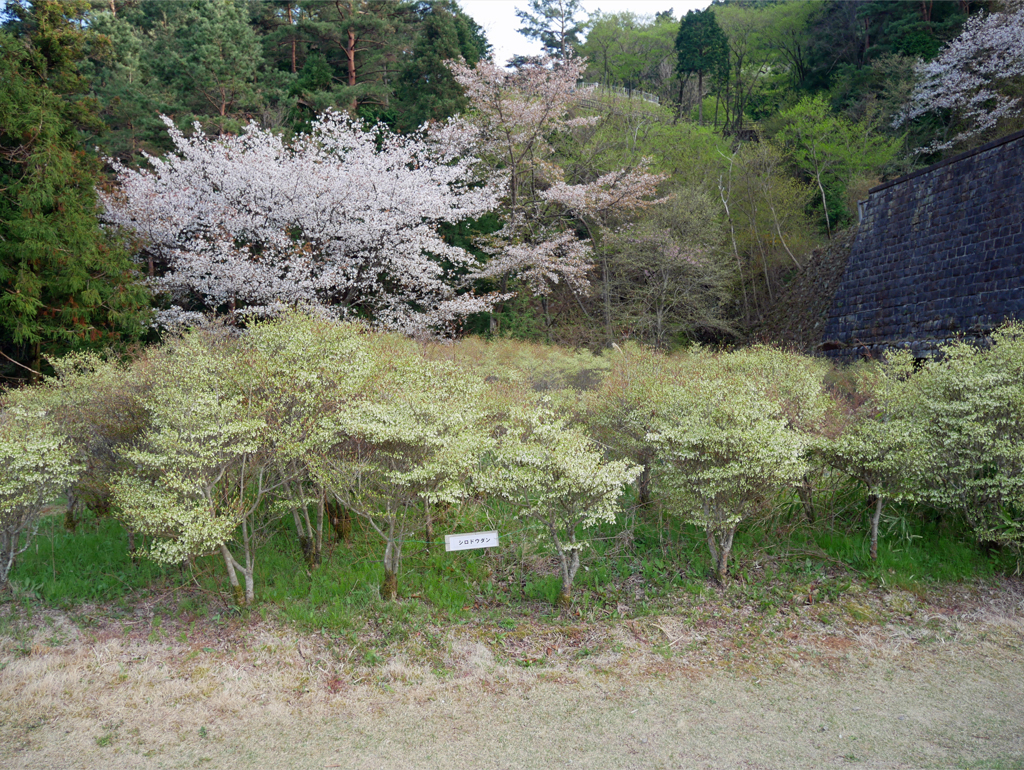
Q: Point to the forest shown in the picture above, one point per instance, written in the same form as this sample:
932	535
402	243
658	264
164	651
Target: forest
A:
274	272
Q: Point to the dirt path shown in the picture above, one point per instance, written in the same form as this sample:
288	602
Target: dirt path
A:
260	696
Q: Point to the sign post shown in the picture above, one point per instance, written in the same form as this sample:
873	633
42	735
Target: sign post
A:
469	540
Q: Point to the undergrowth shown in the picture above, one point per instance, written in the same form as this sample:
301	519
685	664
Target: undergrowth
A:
647	564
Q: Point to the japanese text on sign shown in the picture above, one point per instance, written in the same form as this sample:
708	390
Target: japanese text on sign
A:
469	540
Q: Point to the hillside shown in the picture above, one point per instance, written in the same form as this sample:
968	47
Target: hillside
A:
798	316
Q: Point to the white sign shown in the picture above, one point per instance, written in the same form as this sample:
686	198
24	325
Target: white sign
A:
470	540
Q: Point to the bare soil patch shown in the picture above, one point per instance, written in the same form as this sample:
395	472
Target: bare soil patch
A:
877	679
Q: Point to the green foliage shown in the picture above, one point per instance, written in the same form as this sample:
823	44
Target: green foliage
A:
970	405
671	281
553	23
427	89
555	474
204	467
212	440
99	404
64	283
735	434
703	50
831	151
36	464
884	447
632	51
211	58
91	564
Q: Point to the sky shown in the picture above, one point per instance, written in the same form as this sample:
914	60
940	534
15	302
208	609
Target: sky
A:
499	21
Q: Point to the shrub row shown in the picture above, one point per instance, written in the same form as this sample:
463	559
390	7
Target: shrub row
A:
203	443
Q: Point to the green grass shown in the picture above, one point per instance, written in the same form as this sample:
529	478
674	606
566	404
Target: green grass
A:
775	562
93	564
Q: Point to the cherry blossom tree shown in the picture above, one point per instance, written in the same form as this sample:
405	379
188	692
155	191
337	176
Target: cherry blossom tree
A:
343	220
972	76
517	113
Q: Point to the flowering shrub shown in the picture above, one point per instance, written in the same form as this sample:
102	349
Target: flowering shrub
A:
202	471
731	438
405	446
882	444
37	464
556	475
970	406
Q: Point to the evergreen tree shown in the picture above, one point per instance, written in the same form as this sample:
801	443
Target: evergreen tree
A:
554	24
129	98
362	41
427	89
63	283
703	49
212	57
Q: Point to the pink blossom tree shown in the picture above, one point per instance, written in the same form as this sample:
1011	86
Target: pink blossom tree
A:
517	112
343	221
975	77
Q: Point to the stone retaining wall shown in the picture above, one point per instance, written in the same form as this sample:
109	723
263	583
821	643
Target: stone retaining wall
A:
939	254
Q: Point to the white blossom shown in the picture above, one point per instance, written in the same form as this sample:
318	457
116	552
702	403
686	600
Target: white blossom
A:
343	219
968	75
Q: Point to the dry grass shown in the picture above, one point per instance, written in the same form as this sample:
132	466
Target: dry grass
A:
708	685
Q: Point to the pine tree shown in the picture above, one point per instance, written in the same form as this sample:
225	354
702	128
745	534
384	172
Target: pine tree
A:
63	283
427	89
554	24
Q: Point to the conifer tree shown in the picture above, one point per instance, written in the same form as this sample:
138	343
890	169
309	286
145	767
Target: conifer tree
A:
427	89
703	49
63	283
554	24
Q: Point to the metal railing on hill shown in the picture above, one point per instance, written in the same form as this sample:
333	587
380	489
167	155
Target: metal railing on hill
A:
620	91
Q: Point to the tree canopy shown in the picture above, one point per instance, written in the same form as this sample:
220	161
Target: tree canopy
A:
64	282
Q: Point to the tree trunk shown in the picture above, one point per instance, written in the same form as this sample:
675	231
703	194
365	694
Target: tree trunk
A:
392	557
250	591
879	505
229	562
805	492
318	532
700	97
570	563
643	488
341	521
294	69
720	545
350	51
310	536
606	289
824	203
